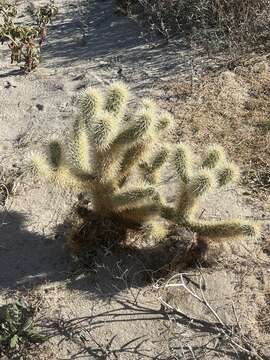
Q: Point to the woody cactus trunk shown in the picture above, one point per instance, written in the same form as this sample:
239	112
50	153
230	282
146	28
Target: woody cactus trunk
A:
116	156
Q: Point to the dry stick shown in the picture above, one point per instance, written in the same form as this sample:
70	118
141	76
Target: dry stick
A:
226	331
192	352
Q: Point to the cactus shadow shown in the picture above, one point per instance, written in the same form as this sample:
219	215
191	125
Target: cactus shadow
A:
114	258
28	259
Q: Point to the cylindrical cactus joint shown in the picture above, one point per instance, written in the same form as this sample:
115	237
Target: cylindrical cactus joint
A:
201	183
90	102
55	153
117	98
214	155
226	174
182	161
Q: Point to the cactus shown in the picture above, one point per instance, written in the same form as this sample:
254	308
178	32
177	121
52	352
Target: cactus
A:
105	148
114	156
214	172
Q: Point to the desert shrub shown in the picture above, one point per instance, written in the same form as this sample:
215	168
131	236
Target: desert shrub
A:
17	330
241	21
115	155
24	40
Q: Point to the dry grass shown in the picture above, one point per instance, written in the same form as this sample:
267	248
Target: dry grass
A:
232	109
232	23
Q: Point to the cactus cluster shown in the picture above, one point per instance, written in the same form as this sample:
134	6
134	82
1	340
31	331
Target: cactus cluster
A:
213	171
115	154
24	40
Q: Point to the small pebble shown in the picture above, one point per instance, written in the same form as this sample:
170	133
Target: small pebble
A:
40	107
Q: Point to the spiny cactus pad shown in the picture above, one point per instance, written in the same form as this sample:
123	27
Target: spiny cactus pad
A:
114	155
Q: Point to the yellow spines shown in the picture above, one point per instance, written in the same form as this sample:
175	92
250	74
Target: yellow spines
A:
42	166
182	161
220	230
141	214
227	173
214	155
79	146
103	131
132	197
151	169
91	103
117	98
154	230
165	122
140	129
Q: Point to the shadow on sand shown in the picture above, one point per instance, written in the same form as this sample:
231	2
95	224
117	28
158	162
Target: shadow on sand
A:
28	259
112	41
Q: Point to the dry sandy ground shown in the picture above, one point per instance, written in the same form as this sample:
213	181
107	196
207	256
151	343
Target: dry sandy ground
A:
107	313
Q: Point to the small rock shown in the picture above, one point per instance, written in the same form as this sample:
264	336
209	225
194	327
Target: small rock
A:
79	77
8	84
40	107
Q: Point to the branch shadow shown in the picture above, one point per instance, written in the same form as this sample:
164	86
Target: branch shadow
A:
111	41
131	311
13	72
107	33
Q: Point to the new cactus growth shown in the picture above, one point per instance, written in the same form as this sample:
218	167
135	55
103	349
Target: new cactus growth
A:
114	156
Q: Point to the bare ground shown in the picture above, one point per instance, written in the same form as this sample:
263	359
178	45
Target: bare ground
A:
109	311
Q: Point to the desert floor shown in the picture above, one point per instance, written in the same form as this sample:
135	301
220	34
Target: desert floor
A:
108	312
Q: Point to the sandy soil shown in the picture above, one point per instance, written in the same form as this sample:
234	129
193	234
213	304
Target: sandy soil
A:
107	313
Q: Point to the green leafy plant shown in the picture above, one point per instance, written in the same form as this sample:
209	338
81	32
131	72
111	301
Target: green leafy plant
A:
17	330
116	156
24	40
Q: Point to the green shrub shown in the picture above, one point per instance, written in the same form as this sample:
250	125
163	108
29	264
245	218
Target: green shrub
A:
17	330
24	40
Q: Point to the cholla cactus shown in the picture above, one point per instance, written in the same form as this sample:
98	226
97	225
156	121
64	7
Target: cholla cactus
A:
108	144
214	171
